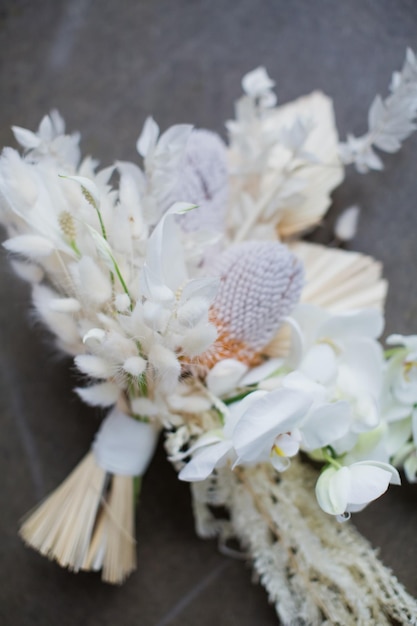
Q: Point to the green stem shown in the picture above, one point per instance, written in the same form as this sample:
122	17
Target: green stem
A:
330	460
238	397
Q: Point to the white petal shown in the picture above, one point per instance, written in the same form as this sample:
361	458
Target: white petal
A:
395	477
273	414
256	374
26	137
297	343
279	463
224	376
368	482
332	490
204	461
319	364
409	341
326	424
288	445
365	360
366	323
410	468
148	137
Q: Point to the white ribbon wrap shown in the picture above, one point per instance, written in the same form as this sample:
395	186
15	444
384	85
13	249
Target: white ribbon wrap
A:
123	445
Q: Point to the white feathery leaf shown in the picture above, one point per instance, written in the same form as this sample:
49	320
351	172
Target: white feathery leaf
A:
26	137
390	121
148	137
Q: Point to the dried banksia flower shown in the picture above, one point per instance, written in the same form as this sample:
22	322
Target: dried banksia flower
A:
260	284
203	181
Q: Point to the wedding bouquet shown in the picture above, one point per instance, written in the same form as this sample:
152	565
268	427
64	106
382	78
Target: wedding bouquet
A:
194	311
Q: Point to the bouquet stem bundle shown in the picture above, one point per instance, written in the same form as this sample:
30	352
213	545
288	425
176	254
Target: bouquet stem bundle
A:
87	523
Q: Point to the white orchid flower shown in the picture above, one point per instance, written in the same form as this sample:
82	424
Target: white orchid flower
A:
263	426
213	449
344	490
325	422
402	370
342	354
265	419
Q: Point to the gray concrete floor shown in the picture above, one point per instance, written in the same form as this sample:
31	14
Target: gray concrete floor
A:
106	65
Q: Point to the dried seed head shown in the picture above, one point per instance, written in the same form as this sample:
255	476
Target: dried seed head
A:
67	225
260	284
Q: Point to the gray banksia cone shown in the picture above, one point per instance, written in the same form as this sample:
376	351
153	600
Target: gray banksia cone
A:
260	284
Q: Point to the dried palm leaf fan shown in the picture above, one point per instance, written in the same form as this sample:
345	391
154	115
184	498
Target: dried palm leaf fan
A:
87	523
337	280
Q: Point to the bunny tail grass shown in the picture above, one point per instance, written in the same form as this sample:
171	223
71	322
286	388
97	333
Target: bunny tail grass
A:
87	523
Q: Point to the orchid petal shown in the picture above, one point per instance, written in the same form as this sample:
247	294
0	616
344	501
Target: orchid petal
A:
224	376
368	482
326	424
366	323
332	489
319	364
273	414
256	374
204	461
